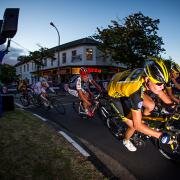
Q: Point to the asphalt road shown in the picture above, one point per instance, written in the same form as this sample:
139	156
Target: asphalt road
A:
145	164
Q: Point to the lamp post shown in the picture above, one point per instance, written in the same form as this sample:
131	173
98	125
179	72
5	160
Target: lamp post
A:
58	49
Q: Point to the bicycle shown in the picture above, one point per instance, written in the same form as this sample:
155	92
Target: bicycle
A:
28	98
97	105
169	123
52	103
79	109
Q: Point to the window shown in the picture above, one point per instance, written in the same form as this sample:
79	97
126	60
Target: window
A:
20	69
89	54
74	55
45	62
27	67
24	67
32	65
52	62
64	58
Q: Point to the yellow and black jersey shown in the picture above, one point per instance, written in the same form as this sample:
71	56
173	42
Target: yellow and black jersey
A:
128	84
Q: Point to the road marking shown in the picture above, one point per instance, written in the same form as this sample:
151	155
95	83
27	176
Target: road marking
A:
21	106
77	146
40	117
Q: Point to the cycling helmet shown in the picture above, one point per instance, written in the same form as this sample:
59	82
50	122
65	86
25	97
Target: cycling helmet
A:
156	71
175	68
83	71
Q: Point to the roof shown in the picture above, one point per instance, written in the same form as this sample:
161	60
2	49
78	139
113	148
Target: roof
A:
83	41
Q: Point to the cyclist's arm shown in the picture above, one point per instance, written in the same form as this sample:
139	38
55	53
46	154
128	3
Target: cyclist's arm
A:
141	127
98	87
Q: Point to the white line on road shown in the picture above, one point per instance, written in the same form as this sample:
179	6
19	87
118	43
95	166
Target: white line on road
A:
40	117
19	105
77	146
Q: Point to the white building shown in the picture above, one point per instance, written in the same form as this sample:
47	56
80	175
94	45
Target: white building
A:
72	56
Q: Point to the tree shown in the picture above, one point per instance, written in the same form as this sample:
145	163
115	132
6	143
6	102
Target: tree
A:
132	41
37	57
8	73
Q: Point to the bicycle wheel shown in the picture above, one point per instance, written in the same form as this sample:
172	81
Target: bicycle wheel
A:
58	106
167	152
24	101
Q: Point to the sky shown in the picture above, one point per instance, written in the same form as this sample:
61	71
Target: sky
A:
78	19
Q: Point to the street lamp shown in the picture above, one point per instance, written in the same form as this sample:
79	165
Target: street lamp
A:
58	50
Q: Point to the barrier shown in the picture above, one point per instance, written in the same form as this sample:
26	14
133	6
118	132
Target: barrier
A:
7	102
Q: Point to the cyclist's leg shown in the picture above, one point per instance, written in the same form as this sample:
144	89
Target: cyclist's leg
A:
86	98
44	98
118	107
130	130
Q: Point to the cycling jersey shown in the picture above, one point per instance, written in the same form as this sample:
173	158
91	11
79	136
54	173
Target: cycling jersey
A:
128	84
38	88
84	86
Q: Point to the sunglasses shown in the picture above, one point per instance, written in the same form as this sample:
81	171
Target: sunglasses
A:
159	84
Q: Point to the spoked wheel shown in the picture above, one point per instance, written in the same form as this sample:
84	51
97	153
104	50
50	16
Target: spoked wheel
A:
116	127
59	107
170	151
24	100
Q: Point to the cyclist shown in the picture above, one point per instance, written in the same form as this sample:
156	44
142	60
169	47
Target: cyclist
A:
23	87
135	86
173	86
82	89
40	89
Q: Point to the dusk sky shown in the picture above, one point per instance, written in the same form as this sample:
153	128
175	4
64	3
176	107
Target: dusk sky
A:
80	18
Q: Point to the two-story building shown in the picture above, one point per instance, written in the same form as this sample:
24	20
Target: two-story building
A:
71	57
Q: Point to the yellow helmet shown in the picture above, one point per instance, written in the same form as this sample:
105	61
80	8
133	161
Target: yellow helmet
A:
156	71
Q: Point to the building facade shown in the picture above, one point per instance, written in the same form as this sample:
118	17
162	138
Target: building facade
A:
72	56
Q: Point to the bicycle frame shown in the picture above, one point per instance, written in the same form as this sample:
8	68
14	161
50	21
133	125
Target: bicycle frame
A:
94	108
